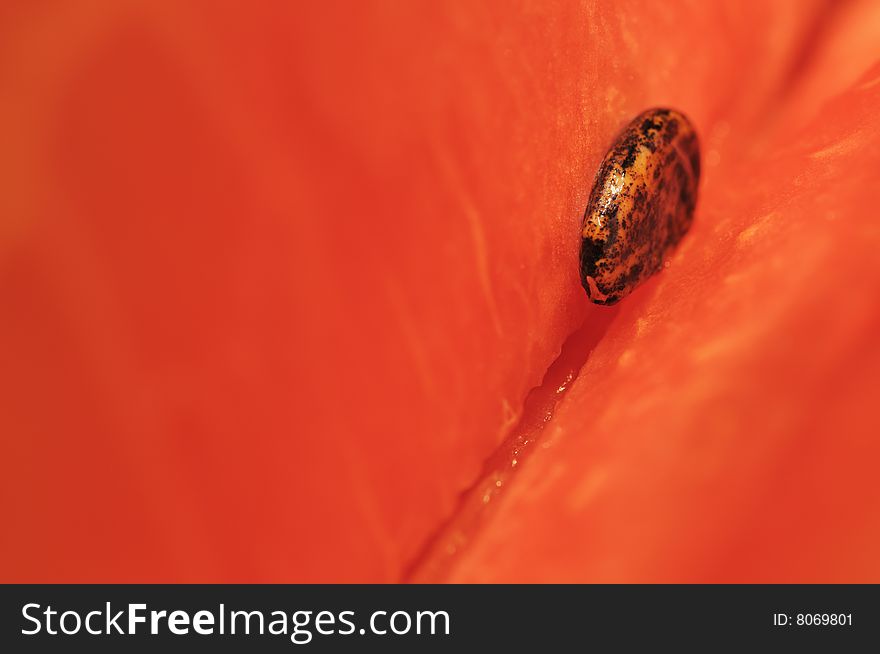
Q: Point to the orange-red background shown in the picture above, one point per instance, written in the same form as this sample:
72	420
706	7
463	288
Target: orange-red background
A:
275	281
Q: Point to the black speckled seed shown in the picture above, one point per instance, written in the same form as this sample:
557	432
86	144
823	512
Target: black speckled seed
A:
641	205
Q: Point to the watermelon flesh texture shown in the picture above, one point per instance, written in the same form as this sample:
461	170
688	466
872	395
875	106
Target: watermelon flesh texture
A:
274	298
